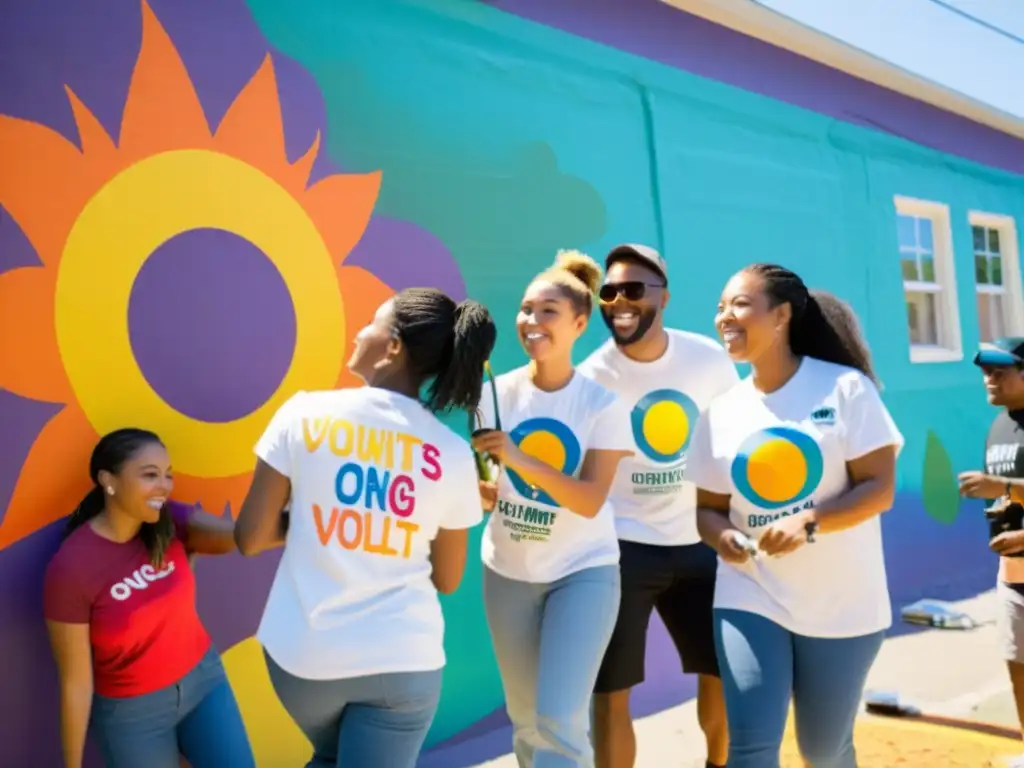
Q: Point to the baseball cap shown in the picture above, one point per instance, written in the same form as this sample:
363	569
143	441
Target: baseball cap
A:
642	253
1001	352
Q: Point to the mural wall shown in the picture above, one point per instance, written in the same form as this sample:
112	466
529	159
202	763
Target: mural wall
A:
201	201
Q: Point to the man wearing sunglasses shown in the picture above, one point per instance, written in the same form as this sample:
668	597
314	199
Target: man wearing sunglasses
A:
667	377
1002	484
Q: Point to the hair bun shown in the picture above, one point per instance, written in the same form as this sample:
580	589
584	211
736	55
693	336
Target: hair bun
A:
581	266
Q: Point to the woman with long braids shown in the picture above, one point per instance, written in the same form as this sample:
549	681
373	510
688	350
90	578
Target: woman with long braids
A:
119	600
550	551
381	495
793	467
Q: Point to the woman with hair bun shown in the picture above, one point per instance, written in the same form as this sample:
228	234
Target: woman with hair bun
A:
381	495
551	575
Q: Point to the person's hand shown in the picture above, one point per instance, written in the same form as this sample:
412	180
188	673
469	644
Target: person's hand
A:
1008	543
978	485
488	494
731	547
785	535
498	444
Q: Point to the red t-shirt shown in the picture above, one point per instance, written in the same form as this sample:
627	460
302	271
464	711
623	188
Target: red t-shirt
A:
145	631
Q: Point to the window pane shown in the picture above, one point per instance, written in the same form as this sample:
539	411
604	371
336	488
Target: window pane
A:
905	230
927	269
990	316
909	267
921	319
979	238
980	269
924	232
993	240
996	270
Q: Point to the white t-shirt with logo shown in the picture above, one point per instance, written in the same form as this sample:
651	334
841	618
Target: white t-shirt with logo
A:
374	475
653	503
777	454
530	537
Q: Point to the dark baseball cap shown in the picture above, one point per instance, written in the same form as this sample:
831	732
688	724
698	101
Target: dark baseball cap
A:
642	253
1003	352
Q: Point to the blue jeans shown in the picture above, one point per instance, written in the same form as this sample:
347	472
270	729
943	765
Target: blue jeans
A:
196	717
549	640
764	665
376	720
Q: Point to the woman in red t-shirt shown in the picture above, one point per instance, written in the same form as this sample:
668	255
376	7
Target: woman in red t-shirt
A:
119	600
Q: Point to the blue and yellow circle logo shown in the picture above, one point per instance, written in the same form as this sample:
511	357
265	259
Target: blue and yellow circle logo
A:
776	467
663	421
553	443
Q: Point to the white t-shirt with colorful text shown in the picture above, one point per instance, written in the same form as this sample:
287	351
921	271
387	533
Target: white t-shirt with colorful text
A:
530	537
777	454
653	503
374	475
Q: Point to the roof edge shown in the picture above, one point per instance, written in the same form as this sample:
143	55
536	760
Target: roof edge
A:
752	19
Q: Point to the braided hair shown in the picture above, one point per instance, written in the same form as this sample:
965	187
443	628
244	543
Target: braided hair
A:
446	342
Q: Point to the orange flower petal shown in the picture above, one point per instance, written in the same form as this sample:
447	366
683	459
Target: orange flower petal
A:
54	477
362	292
30	363
92	135
215	494
42	184
341	206
162	110
302	167
252	129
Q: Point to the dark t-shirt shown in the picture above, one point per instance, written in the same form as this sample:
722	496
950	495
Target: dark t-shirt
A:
1004	451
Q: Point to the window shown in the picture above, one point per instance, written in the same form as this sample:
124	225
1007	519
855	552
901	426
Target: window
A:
929	284
996	276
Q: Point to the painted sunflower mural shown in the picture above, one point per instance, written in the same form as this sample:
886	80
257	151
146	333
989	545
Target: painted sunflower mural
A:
187	276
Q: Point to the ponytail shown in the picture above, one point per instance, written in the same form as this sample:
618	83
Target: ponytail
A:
461	376
446	342
90	506
822	326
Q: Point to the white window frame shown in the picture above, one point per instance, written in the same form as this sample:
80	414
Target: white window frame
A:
1013	286
947	308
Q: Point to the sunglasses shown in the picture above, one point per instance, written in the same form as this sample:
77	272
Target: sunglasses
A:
630	290
484	461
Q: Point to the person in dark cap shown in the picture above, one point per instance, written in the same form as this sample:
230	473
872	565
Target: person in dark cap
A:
666	377
1002	485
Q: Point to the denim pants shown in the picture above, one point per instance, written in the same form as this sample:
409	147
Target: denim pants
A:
763	666
196	717
376	720
549	640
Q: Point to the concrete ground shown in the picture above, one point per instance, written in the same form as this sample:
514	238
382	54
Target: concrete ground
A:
955	673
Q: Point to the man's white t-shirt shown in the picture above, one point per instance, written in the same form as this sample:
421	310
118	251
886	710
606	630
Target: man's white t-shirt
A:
530	537
777	454
374	475
653	503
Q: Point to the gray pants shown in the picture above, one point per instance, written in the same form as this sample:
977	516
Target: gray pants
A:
1010	623
377	720
549	640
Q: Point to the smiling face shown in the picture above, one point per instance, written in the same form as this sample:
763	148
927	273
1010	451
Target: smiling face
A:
143	483
548	324
747	322
637	299
374	344
1004	385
